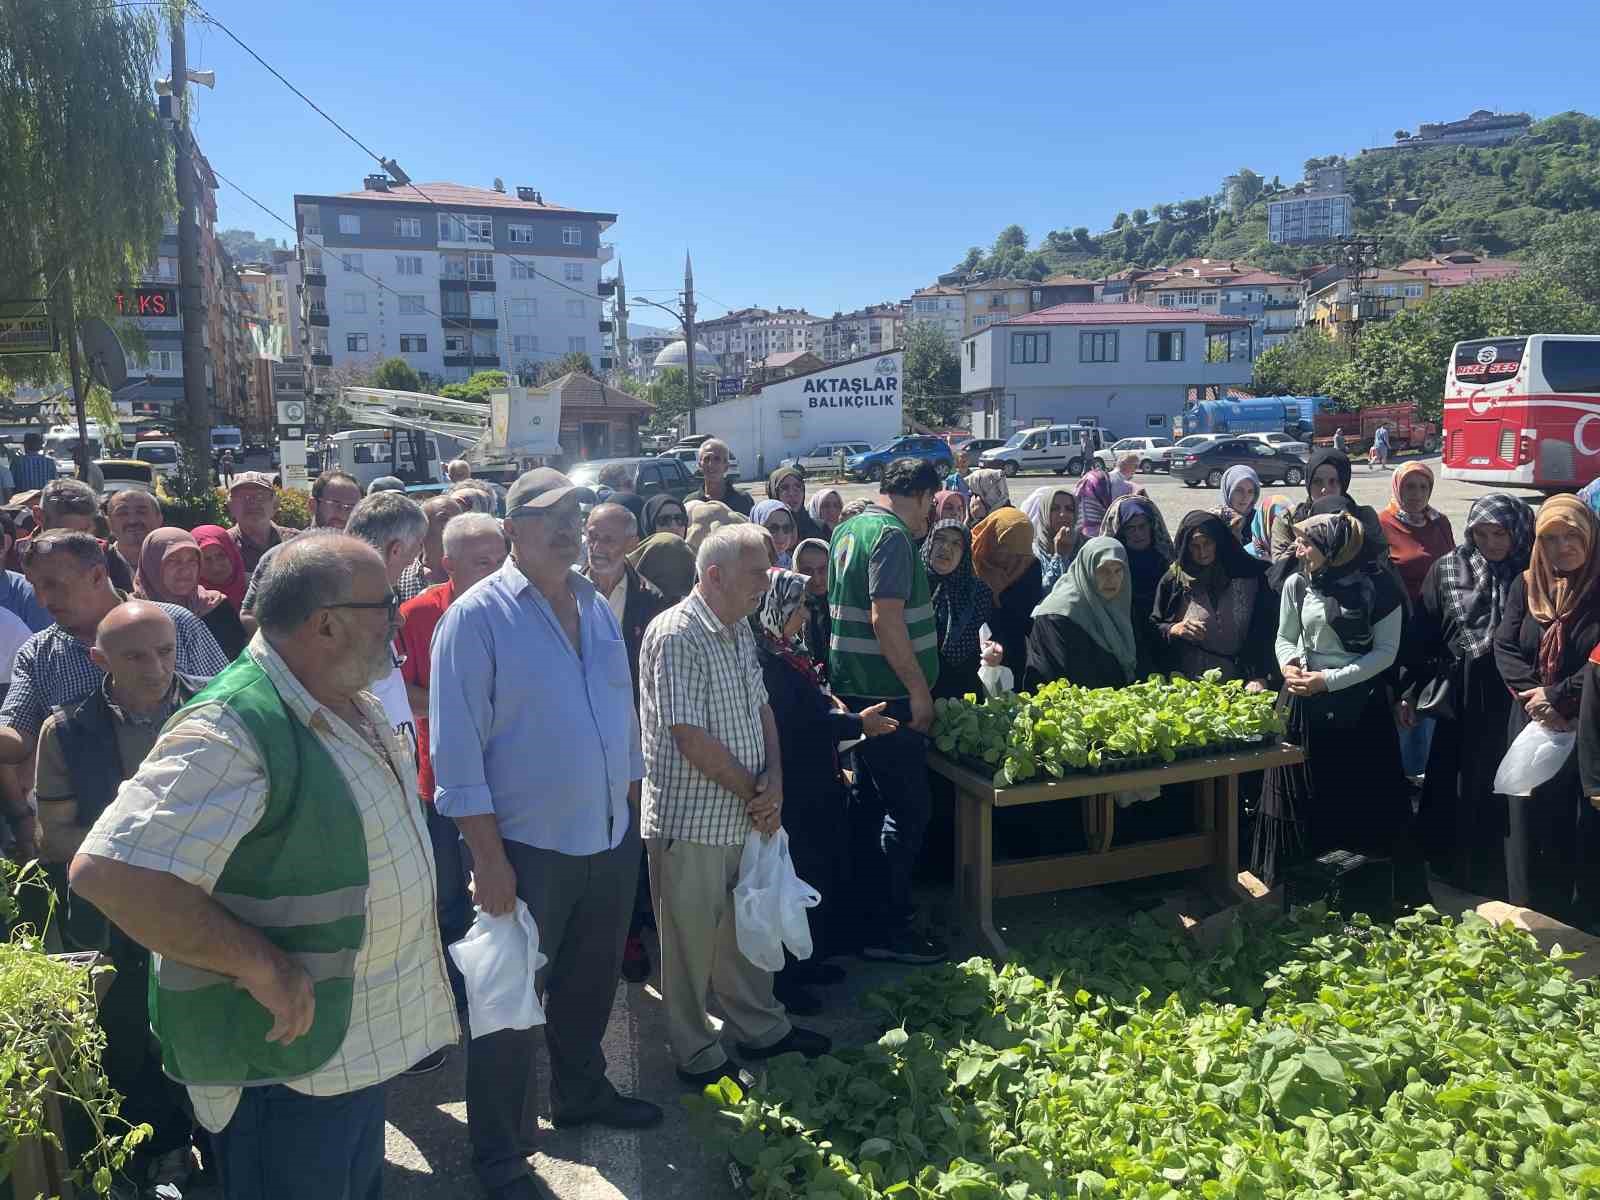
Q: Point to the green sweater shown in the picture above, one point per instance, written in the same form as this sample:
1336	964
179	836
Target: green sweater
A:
856	662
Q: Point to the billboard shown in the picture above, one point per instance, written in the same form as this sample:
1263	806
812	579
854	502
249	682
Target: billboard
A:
25	328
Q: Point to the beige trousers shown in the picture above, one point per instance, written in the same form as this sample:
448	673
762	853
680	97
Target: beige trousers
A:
692	887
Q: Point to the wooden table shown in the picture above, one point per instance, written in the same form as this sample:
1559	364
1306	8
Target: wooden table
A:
1213	847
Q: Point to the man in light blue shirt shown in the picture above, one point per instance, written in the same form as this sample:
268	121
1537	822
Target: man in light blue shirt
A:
536	756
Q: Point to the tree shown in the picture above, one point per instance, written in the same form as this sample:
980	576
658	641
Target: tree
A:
1081	236
1244	189
1140	216
1299	366
1012	237
243	246
477	386
669	394
397	375
1401	135
932	384
1568	249
1118	221
573	362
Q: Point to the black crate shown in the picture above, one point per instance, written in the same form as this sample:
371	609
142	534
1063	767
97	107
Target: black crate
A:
1350	883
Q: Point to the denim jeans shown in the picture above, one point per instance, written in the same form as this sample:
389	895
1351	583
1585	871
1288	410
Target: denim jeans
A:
282	1143
455	905
889	816
1415	744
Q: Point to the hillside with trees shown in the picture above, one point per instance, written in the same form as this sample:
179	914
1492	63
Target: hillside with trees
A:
1495	200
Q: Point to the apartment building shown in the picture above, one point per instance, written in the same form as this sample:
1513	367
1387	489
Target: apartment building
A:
451	278
996	300
869	330
1459	269
1310	218
746	336
1269	302
1335	309
941	306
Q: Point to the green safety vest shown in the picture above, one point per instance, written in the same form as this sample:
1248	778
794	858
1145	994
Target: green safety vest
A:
856	665
299	878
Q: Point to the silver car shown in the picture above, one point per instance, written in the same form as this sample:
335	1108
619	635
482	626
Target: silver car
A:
825	456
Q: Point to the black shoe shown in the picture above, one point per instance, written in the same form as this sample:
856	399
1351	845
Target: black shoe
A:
524	1187
815	974
635	960
699	1080
798	999
620	1112
796	1041
426	1066
905	947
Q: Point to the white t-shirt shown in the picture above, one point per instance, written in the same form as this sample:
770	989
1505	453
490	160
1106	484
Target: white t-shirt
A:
391	693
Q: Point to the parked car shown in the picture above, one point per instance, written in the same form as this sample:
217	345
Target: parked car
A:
122	474
824	456
689	457
974	448
1153	452
164	456
1193	441
869	465
651	476
1282	441
1206	464
1064	449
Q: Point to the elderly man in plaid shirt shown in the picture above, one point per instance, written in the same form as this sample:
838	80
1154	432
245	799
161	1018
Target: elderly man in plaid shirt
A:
712	774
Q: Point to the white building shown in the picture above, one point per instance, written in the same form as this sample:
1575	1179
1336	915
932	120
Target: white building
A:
747	336
451	278
870	330
941	306
857	401
1127	367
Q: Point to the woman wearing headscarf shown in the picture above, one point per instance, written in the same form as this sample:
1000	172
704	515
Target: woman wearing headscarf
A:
990	493
1240	492
1213	608
789	485
1550	626
825	506
221	563
1266	515
1002	555
169	573
949	506
811	560
1053	513
1450	673
1327	475
961	604
664	514
774	516
1339	628
1083	630
1137	523
666	561
1094	495
810	727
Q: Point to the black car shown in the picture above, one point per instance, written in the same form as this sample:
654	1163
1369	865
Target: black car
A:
1207	464
651	476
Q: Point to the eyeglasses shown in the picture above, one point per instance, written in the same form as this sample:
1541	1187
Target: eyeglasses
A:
337	505
392	603
780	526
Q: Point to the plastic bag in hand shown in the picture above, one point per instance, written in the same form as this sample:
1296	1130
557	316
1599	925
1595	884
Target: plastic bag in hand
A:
498	959
769	903
1534	758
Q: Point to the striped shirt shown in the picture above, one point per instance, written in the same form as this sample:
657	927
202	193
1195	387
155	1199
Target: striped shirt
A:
694	670
32	471
204	787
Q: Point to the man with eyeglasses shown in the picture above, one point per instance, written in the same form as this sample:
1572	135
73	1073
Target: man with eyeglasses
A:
271	852
536	756
334	496
252	503
713	457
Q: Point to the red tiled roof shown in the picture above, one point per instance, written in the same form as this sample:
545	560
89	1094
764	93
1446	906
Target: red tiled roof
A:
1068	280
1177	282
585	391
989	285
445	194
1261	279
938	289
1456	276
1118	314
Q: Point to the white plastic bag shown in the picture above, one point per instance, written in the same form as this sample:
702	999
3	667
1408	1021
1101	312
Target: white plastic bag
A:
498	959
1534	758
996	680
769	903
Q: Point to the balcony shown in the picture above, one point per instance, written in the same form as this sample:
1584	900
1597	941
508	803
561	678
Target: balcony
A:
315	279
321	359
605	252
607	287
318	315
1283	304
608	326
462	321
474	362
466	285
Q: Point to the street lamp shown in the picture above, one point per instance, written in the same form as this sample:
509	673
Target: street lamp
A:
685	321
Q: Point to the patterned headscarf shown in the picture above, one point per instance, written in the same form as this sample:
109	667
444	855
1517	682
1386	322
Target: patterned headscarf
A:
990	486
1109	623
1394	507
786	592
1474	589
961	601
1008	530
1267	512
1556	600
1037	509
940	499
1094	496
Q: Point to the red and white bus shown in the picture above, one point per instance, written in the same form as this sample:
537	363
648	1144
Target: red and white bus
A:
1524	411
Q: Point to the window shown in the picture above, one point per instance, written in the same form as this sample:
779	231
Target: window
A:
1097	347
520	269
519	235
972	356
1168	300
571	235
577	345
1387	289
1030	347
1157	421
572	272
411	306
981	320
408	264
482	305
353	263
522	306
413	344
457	227
356	343
998	300
927	306
349	223
455	343
575	309
454	304
1165	347
1188	297
1414	291
480	266
1208	298
483	345
355	302
408	227
314	263
525	343
480	229
1572	366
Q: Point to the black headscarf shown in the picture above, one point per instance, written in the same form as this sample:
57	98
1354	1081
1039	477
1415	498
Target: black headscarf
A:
961	601
1145	567
1357	589
1183	577
1324	456
652	510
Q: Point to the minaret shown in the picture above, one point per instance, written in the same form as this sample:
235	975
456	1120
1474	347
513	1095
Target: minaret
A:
619	314
688	334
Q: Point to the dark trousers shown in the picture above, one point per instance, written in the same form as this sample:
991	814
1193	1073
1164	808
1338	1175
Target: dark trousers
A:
281	1143
581	905
455	905
889	816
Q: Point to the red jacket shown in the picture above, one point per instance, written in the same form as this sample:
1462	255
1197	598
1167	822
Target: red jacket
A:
419	617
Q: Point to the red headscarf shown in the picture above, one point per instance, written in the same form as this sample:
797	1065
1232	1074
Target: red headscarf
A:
215	535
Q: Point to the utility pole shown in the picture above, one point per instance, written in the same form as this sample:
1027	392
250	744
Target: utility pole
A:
197	412
688	333
619	311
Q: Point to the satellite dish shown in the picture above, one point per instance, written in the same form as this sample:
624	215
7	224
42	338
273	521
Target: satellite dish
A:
108	362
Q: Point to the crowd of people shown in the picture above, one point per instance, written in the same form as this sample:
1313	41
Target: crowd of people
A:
270	774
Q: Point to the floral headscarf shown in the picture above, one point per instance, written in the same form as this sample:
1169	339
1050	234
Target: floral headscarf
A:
961	601
1267	512
786	592
1556	600
148	583
990	486
1397	510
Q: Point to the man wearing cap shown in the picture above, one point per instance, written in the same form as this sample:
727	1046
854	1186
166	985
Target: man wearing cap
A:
252	503
530	667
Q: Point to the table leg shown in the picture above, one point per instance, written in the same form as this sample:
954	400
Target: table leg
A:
978	875
1225	863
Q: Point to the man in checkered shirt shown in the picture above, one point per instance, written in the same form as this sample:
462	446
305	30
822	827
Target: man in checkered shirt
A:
712	774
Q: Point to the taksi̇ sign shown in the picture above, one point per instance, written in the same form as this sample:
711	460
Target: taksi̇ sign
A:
25	328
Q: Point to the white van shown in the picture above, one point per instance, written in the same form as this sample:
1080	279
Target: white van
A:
369	454
1064	449
61	439
162	454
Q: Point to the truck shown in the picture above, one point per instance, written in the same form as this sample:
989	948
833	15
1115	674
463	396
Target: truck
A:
224	438
1407	429
1294	415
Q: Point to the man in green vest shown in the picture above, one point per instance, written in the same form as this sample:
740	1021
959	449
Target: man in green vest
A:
883	646
271	854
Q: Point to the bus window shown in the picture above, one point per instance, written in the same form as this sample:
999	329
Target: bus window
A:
364	453
1572	366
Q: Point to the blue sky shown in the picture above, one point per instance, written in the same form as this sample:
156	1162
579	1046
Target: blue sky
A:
832	155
